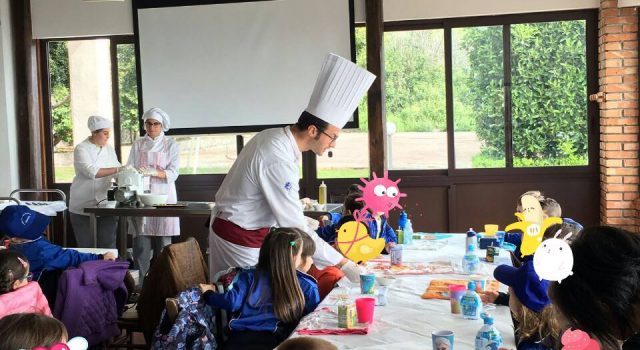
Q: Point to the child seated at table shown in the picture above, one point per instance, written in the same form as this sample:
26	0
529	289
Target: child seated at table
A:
268	301
17	292
535	324
565	229
26	227
377	223
327	277
550	208
601	296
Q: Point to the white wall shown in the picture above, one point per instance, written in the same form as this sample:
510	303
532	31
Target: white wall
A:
78	18
8	138
396	10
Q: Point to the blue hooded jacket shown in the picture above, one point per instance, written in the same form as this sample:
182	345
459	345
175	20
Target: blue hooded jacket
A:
328	233
252	313
44	255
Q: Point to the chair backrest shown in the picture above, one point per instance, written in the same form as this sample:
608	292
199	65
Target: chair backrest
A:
179	266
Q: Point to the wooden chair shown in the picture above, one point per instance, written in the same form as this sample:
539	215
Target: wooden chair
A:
178	267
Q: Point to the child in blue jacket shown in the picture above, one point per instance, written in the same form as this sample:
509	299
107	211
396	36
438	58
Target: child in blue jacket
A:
268	301
378	225
25	227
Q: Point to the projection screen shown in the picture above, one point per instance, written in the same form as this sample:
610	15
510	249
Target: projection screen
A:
247	64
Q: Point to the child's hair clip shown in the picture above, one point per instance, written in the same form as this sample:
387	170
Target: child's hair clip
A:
292	243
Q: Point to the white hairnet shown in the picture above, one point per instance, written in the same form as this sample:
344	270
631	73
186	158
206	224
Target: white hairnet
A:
159	115
97	122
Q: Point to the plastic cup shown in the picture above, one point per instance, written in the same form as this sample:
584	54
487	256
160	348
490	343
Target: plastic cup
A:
367	282
364	308
456	291
442	340
490	229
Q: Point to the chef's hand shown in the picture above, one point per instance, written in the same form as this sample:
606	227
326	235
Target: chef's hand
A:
147	171
351	270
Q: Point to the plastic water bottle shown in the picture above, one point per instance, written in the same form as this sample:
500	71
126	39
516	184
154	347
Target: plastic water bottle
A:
408	233
402	220
470	303
470	261
488	337
472	239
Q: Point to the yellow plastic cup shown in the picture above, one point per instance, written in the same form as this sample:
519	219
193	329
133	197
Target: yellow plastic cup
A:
490	229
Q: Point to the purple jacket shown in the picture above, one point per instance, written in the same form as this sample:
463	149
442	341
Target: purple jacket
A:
90	299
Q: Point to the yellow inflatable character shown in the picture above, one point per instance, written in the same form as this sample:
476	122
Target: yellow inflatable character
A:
354	242
532	224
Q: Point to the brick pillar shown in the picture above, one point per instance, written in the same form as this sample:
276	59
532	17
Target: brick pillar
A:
618	80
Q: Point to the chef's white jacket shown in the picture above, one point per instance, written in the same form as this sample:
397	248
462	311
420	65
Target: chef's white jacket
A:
86	189
261	191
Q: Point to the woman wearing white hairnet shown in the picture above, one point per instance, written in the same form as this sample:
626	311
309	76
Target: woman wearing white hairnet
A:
157	156
95	163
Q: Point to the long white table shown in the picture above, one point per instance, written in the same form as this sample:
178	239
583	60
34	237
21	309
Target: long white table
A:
407	321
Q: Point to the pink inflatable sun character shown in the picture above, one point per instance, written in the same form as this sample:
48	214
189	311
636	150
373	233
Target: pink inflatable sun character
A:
380	194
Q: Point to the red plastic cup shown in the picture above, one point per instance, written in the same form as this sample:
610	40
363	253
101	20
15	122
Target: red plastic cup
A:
365	307
456	291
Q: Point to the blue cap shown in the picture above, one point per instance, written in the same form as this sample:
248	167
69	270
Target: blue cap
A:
529	288
471	232
21	222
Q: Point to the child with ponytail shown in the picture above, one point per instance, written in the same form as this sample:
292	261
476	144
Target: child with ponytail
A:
269	300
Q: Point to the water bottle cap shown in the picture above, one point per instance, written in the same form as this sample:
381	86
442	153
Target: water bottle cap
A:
471	233
471	286
488	320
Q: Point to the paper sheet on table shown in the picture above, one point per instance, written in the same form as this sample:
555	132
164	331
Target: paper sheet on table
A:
325	321
43	207
412	268
439	289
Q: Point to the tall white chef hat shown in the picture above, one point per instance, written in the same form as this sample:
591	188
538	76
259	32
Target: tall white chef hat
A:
159	115
338	90
96	122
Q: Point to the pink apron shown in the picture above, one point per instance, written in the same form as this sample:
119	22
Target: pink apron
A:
157	226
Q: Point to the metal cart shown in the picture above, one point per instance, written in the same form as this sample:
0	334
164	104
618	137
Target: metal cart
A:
62	195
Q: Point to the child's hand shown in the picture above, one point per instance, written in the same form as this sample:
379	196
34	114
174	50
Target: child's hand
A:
108	256
206	287
489	297
388	246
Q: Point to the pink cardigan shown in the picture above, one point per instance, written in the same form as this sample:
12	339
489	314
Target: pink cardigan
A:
25	299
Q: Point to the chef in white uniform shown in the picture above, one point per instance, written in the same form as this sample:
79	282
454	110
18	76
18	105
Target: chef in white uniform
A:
156	156
261	189
95	163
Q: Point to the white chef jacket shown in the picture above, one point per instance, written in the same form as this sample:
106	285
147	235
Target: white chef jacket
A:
86	190
261	191
161	154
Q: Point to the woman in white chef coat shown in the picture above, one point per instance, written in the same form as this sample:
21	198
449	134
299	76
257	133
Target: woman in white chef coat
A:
157	156
95	163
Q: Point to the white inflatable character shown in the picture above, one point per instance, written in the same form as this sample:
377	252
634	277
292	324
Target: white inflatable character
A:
553	259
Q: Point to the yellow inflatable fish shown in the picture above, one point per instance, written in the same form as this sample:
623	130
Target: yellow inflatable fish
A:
354	242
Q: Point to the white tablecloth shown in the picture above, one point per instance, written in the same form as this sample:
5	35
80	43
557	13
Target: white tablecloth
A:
407	321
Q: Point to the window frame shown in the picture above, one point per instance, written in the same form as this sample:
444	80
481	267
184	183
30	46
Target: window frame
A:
453	175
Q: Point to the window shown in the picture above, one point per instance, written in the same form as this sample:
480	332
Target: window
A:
549	94
80	86
478	97
208	154
415	99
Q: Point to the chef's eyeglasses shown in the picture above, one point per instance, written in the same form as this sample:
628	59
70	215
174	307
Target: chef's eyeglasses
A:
150	124
333	138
